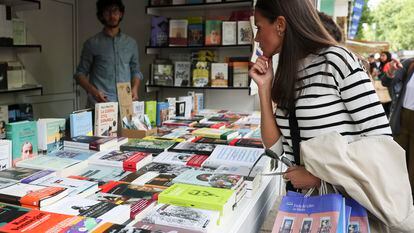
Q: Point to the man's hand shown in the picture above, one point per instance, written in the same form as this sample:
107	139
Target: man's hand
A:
301	178
392	66
100	97
134	94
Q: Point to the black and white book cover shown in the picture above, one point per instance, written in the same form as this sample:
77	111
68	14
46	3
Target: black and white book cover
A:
182	73
195	148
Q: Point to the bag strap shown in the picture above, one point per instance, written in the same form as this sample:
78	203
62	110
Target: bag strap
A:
295	135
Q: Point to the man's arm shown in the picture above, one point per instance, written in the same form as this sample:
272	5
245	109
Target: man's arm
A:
135	72
135	87
83	81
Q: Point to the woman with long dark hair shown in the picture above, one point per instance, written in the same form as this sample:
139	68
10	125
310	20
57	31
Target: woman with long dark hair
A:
318	87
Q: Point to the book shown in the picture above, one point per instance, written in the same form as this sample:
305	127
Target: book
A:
139	109
84	225
195	148
159	31
198	102
162	228
244	32
209	179
81	124
229	32
188	105
219	74
206	198
213	32
151	111
180	108
150	146
24	140
124	93
182	73
16	74
75	187
233	155
4	119
162	112
103	174
19	174
62	166
247	142
130	190
182	159
6	183
162	181
171	106
50	134
178	32
225	134
140	208
113	198
240	74
182	217
90	143
252	182
106	119
160	168
111	228
129	161
3	76
8	213
20	112
217	141
195	31
5	154
80	155
28	195
162	74
108	212
201	74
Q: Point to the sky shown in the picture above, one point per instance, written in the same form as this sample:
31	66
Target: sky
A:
373	3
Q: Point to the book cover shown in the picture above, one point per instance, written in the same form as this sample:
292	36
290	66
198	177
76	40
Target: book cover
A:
209	179
229	32
213	32
84	225
4	119
179	108
159	31
141	207
162	74
195	148
47	162
151	111
113	198
195	31
162	228
244	32
6	183
129	161
24	140
8	213
20	112
178	32
201	197
50	134
5	154
162	168
201	73
124	100
130	190
247	142
240	74
151	146
224	134
196	160
81	155
106	119
172	158
81	124
162	112
182	73
162	181
17	173
189	105
112	228
182	217
198	102
171	106
102	174
219	74
233	155
217	141
90	143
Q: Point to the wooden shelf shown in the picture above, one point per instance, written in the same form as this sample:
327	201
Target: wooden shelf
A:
22	5
23	89
23	47
157	10
157	50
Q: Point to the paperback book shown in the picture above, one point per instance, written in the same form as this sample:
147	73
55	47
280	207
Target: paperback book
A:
5	154
163	74
210	179
81	124
24	140
178	32
182	159
50	134
129	161
195	31
201	73
219	74
195	148
229	32
232	155
213	32
182	73
90	143
106	119
103	174
4	119
150	146
159	31
130	190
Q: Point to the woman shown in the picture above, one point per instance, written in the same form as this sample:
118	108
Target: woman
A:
318	86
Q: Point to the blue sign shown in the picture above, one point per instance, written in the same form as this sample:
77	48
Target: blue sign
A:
356	17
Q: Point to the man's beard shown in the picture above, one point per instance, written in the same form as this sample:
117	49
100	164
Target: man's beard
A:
108	25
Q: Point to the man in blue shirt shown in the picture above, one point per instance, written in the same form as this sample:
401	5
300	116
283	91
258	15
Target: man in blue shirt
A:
109	57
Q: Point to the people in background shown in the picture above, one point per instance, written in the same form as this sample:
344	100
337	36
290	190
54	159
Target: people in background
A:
402	109
109	57
385	59
318	87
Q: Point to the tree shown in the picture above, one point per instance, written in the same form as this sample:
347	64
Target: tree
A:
366	17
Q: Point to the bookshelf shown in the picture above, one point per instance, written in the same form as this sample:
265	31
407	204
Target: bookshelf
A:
151	88
23	48
22	5
157	50
37	88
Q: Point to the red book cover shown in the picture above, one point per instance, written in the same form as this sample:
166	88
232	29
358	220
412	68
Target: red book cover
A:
106	188
233	142
139	206
130	164
34	198
196	160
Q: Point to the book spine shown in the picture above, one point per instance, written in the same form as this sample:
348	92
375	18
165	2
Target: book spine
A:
9	199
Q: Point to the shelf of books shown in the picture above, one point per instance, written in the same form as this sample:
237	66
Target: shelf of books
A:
23	48
158	9
37	88
20	5
151	88
158	49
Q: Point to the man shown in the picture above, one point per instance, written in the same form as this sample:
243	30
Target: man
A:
109	57
402	109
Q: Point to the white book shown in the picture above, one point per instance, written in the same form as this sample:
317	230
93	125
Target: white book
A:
16	74
104	174
233	156
172	158
50	134
106	119
138	107
6	182
19	31
144	178
171	106
244	32
188	105
106	211
5	154
219	74
82	188
183	217
182	73
4	119
229	32
128	160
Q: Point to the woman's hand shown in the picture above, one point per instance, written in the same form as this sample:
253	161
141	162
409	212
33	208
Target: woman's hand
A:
392	67
301	178
262	72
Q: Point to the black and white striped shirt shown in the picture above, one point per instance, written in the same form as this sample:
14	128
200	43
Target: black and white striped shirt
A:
335	95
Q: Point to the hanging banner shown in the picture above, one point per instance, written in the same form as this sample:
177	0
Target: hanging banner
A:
356	17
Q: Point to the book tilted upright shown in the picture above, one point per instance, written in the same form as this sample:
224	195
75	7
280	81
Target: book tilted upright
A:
106	119
5	154
150	146
240	74
23	135
233	155
244	32
195	31
31	195
138	108
162	112
182	217
200	197
50	133
189	105
106	211
159	31
201	73
182	73
4	119
81	124
151	111
171	106
225	134
191	147
90	143
162	74
129	161
178	32
219	74
229	32
213	32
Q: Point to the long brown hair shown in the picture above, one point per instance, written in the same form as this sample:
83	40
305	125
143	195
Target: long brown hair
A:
304	35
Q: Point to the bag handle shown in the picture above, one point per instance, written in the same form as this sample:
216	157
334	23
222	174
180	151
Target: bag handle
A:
323	189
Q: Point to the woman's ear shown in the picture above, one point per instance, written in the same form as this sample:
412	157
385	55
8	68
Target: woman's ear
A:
280	24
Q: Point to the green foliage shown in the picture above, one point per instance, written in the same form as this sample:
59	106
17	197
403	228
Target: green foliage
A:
366	17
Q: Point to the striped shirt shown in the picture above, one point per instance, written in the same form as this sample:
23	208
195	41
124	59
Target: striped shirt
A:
335	94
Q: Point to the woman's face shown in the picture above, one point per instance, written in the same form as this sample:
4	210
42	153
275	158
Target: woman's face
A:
383	57
267	36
